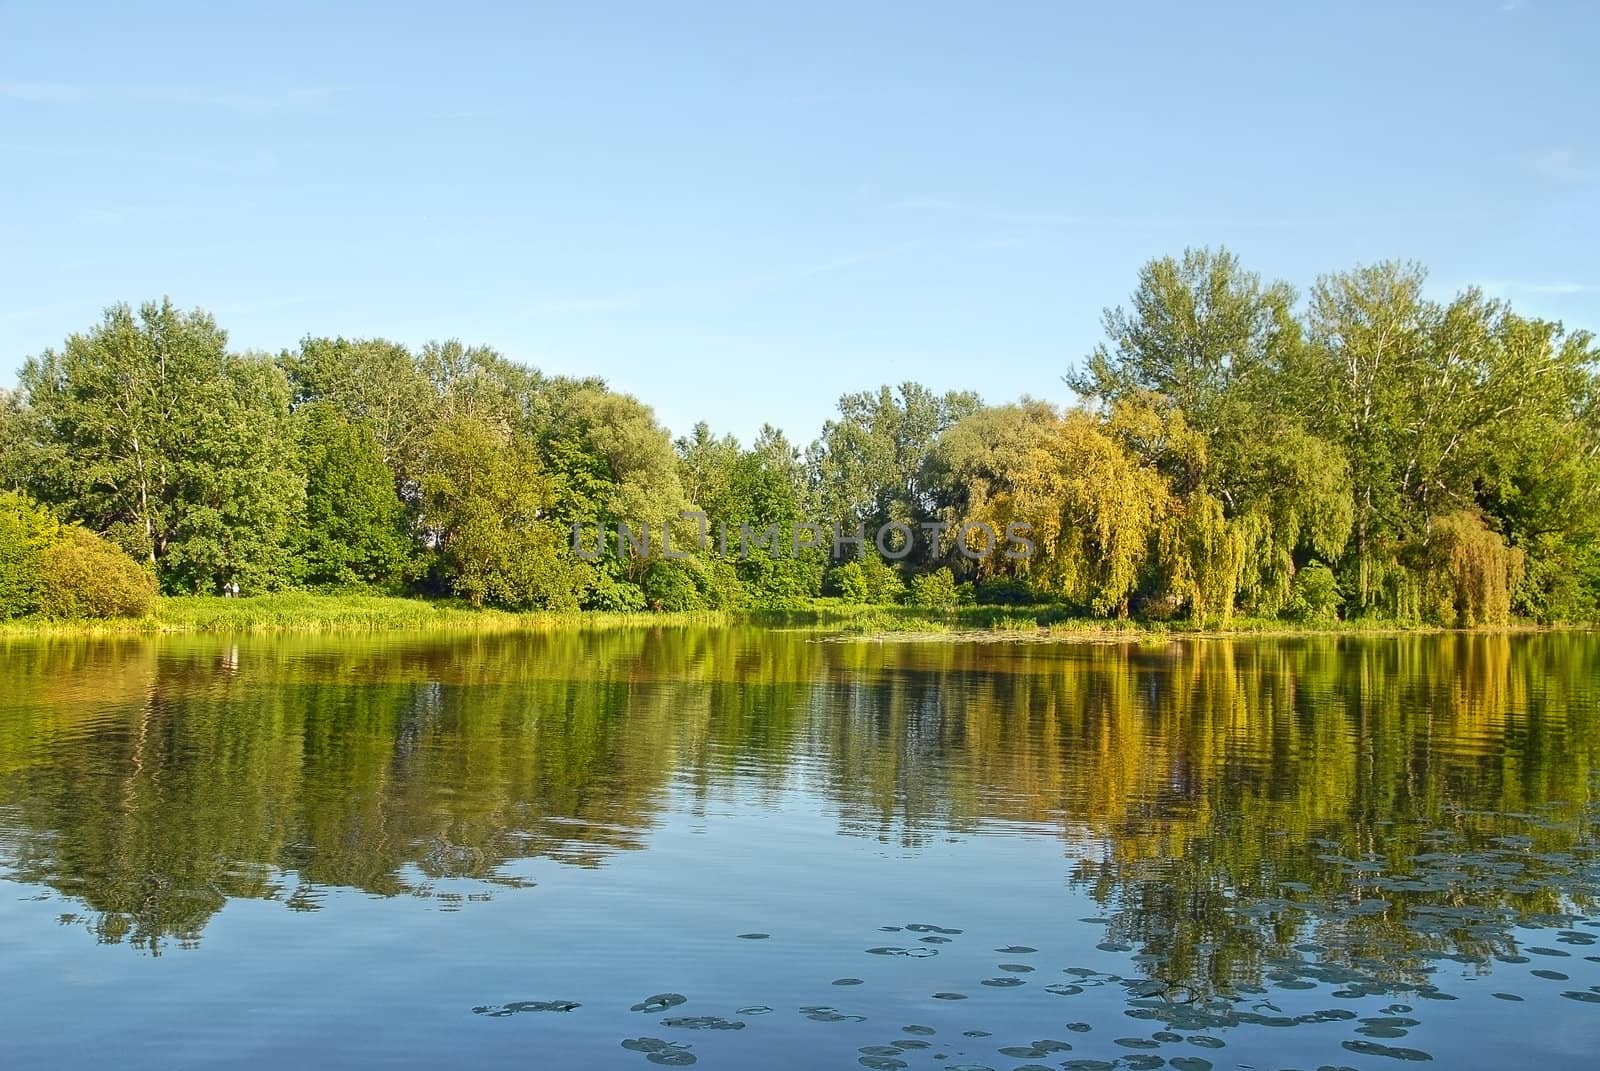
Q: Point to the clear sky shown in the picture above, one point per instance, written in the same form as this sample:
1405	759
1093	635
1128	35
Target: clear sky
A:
738	211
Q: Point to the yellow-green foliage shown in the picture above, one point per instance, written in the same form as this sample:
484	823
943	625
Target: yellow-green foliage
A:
1205	554
1093	509
25	531
58	570
84	576
1471	572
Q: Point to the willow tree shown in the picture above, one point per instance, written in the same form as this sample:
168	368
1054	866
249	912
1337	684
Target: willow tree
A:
1094	510
1193	378
1469	572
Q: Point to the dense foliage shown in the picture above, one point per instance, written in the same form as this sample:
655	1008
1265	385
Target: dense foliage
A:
1366	452
64	570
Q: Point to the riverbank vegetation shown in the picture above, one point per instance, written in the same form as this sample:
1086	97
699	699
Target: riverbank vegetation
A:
1233	452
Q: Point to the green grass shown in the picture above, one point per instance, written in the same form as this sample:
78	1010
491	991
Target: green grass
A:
308	612
305	612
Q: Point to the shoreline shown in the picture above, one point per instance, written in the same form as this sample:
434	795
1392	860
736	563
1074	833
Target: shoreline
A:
307	613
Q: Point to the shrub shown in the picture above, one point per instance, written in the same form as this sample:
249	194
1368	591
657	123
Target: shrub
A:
1315	595
606	591
719	585
884	586
670	586
935	590
64	570
781	583
849	582
25	532
84	576
1002	591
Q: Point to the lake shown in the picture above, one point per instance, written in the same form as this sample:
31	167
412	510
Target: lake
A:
736	848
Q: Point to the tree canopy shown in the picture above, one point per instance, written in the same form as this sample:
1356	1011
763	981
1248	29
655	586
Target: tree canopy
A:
1230	448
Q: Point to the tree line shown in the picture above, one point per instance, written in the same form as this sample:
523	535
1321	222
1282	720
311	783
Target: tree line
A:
1369	451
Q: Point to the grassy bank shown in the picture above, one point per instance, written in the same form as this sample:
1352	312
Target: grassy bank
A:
304	612
308	612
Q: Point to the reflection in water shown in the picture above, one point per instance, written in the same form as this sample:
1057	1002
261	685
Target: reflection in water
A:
1252	819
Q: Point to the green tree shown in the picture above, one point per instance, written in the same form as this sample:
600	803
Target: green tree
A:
355	525
935	590
1195	379
25	533
368	381
1442	409
869	463
483	498
147	429
1204	336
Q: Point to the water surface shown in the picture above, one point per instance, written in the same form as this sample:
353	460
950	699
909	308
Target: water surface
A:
735	848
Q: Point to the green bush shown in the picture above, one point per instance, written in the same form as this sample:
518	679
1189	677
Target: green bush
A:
848	582
719	585
935	590
25	532
1004	592
884	585
84	576
60	570
1315	595
606	591
670	586
781	583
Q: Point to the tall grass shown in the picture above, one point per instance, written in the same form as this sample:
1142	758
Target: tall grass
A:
308	612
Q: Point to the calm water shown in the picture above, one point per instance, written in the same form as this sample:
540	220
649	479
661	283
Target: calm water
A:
749	849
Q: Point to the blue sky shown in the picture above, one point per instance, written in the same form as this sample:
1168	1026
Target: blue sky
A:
739	211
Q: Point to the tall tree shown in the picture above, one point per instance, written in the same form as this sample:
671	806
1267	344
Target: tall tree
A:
484	500
371	381
868	463
148	430
355	528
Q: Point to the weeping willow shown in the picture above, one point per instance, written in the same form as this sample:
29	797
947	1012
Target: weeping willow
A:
1471	571
1094	509
1205	555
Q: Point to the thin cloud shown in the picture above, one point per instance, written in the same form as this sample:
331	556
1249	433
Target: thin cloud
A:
102	217
1551	289
241	101
1564	164
1047	218
40	92
715	290
563	306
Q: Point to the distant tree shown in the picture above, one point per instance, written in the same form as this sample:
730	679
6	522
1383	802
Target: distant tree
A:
147	429
935	590
483	499
705	469
370	381
868	464
1203	334
355	525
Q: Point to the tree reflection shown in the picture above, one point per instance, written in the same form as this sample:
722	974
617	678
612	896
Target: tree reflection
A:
1386	799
